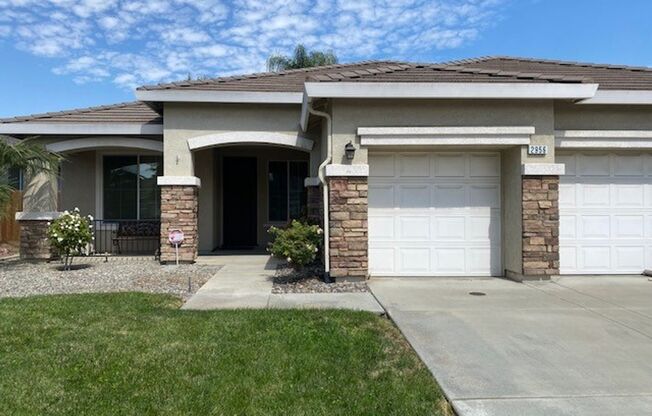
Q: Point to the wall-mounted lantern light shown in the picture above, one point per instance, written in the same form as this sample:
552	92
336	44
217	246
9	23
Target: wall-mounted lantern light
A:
349	149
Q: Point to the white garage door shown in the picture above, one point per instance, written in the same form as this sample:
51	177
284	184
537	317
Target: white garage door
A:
605	205
434	214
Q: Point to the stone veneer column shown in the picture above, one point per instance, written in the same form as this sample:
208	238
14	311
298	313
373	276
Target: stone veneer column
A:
34	244
540	211
348	208
179	210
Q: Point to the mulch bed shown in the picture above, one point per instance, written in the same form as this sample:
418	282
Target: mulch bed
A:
309	280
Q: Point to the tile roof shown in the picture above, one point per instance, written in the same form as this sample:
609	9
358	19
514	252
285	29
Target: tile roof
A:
484	69
610	77
443	73
132	112
284	81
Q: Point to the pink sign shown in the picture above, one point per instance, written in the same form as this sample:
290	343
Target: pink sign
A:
175	237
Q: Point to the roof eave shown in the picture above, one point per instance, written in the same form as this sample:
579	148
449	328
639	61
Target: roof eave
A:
450	90
72	128
213	96
620	97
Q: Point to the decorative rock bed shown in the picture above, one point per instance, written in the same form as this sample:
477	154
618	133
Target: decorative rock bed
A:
309	280
118	274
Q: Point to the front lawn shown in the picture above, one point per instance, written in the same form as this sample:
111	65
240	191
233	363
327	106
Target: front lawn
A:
137	354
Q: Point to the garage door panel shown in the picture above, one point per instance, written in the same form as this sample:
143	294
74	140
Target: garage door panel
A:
450	260
446	216
568	226
568	259
595	226
479	259
382	259
609	209
414	196
381	227
628	195
382	166
595	258
449	196
629	258
629	226
414	228
593	165
449	228
450	165
567	195
381	196
414	259
482	228
628	165
414	166
595	195
484	165
484	196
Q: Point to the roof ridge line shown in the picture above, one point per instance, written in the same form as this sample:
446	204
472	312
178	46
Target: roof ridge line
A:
561	62
492	72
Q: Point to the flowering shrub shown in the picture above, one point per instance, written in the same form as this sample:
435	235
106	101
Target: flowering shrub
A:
70	234
298	243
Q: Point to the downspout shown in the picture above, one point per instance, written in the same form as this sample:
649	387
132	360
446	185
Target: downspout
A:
324	183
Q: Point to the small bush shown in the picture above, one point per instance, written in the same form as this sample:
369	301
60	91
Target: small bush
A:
298	243
70	234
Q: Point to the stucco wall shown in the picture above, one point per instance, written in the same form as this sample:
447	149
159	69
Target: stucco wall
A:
511	209
78	183
184	121
348	115
602	117
208	165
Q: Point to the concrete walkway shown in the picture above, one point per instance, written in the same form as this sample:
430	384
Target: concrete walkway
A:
245	281
574	346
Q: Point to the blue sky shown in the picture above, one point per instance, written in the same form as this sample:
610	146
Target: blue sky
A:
61	54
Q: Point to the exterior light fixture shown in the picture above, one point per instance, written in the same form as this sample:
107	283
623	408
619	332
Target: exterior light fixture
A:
349	149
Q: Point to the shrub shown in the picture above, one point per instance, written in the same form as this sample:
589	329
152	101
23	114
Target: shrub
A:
70	234
298	243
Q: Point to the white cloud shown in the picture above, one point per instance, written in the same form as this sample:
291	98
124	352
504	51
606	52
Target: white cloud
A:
132	42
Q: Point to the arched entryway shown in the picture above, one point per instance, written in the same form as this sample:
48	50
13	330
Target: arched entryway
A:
247	188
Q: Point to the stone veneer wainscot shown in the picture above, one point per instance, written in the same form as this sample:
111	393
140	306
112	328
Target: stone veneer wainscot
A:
348	206
540	203
179	208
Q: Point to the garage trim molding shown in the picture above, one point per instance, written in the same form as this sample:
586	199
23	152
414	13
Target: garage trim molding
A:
603	139
543	169
347	170
445	136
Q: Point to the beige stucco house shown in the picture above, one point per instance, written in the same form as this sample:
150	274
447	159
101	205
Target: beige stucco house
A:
494	166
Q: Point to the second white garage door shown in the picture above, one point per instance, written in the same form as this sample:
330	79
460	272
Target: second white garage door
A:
434	214
605	207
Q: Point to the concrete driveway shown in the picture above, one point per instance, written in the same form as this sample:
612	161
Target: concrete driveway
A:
574	346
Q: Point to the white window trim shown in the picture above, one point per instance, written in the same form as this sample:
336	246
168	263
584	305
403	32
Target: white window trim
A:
99	178
287	166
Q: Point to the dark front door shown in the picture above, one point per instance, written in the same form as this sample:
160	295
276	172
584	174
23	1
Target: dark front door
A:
239	202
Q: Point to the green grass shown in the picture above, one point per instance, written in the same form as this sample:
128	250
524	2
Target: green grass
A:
138	354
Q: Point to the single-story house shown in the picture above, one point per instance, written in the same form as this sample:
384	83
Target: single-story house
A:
495	166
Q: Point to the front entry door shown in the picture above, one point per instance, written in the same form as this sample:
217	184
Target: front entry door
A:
239	201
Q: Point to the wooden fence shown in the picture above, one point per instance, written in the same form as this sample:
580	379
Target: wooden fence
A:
9	230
